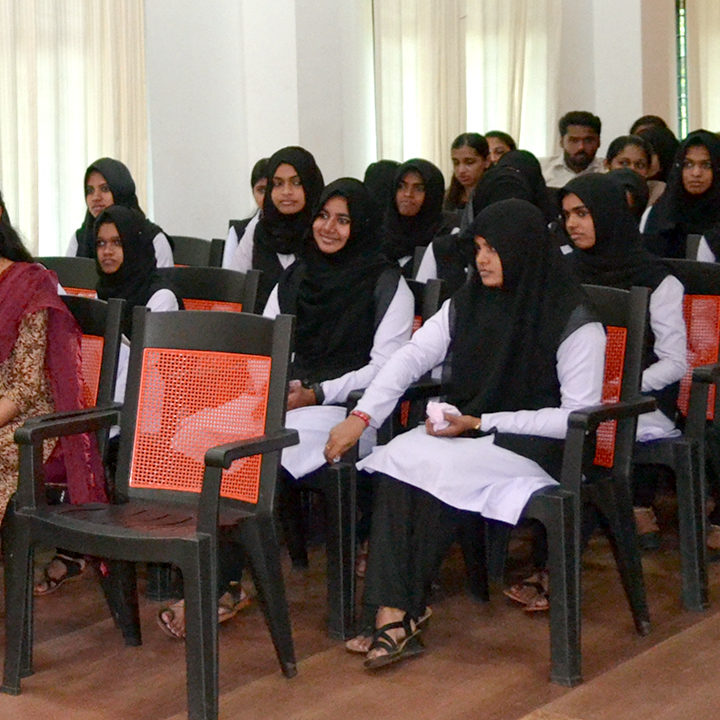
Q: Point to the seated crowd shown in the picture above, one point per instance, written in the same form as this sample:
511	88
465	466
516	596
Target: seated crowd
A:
516	339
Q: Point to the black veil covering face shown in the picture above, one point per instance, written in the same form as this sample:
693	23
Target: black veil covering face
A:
137	279
280	233
678	213
122	186
503	352
618	258
332	295
401	234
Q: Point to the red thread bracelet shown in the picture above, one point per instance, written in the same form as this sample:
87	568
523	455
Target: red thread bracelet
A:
362	415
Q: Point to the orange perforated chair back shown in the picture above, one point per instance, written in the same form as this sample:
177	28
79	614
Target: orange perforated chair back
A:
612	387
215	305
190	401
92	353
702	319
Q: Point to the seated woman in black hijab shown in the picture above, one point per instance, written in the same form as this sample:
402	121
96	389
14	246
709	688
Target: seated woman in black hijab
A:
415	216
691	201
446	257
273	244
609	251
523	351
108	182
353	312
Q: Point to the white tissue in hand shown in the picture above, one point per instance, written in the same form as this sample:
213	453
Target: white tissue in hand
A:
436	413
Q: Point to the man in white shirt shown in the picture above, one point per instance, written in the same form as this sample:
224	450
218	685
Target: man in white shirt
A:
579	140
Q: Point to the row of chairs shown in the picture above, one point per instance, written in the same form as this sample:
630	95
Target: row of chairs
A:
176	348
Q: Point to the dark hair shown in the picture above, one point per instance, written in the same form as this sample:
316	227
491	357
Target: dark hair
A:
480	145
503	137
11	246
652	120
259	172
664	144
579	117
620	143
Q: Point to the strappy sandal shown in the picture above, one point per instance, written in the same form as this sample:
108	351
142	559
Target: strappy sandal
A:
360	644
232	602
531	592
74	567
396	650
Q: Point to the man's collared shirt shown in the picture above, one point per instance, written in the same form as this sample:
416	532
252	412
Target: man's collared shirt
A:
558	174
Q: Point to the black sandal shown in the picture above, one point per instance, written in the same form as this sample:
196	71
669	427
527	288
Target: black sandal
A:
74	568
397	650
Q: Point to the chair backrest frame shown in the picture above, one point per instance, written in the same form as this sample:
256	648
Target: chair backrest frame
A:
73	272
192	251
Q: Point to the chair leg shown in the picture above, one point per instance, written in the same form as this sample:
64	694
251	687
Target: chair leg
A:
339	490
260	542
200	574
689	472
118	582
497	538
559	515
18	602
614	502
471	534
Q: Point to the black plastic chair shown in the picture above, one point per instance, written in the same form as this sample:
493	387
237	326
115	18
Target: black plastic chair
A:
217	248
192	251
214	288
193	380
692	245
77	275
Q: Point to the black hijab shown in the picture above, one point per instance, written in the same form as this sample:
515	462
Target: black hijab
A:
453	253
333	295
529	167
664	145
505	340
636	185
618	258
137	279
122	186
380	183
678	213
401	235
279	233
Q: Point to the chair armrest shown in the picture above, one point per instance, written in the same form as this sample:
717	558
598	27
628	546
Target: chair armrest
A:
224	455
63	424
71	413
708	374
589	418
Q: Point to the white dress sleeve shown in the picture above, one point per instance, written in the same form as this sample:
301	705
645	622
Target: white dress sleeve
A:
241	259
162	300
580	368
428	266
392	332
705	254
163	251
668	326
426	349
72	247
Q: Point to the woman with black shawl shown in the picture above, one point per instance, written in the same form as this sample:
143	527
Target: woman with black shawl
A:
379	181
609	251
415	216
522	351
691	201
353	312
108	182
273	244
447	256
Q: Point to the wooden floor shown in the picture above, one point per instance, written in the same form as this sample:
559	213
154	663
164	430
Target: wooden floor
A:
486	661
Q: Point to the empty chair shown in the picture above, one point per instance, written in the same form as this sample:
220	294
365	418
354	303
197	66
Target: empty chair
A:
201	434
191	251
77	275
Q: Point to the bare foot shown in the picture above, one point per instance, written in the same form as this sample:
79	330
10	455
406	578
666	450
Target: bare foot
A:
359	644
172	620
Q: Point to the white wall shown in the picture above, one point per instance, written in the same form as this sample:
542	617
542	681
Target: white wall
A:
231	85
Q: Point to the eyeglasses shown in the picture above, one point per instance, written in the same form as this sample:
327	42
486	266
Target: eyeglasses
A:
113	242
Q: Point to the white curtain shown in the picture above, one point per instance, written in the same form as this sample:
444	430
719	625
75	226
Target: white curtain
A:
72	89
703	39
443	67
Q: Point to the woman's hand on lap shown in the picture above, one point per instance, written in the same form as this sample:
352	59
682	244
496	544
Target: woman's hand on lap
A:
342	437
459	424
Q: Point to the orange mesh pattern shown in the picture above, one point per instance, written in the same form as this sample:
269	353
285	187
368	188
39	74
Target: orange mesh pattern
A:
216	305
612	385
189	402
92	350
82	292
702	319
